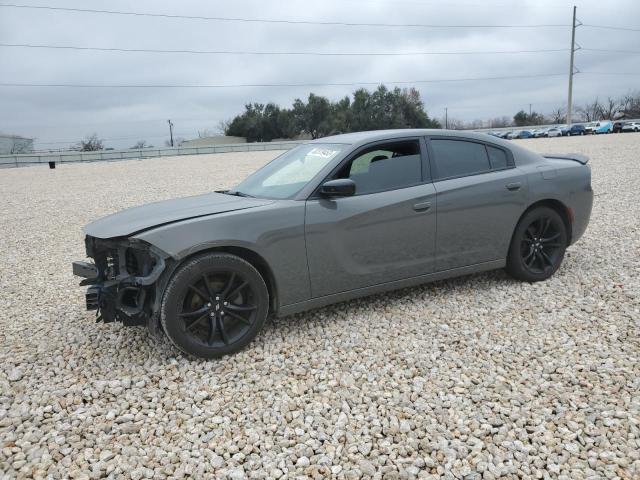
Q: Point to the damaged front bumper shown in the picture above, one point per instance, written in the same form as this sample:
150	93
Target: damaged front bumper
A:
122	279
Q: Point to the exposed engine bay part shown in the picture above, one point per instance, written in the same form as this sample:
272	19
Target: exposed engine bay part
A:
121	279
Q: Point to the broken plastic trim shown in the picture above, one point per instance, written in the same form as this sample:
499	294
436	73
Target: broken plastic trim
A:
121	279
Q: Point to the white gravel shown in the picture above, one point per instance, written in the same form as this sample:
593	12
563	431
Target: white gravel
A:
477	378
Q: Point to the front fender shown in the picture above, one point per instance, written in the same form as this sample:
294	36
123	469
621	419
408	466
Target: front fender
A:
275	232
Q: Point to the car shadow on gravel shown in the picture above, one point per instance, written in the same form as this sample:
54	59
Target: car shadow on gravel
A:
477	281
161	350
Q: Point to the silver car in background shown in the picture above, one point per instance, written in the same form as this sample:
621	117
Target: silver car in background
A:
331	220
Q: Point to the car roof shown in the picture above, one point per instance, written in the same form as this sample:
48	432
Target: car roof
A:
357	138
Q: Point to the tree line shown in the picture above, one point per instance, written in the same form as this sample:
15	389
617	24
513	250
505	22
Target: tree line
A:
620	108
318	116
381	109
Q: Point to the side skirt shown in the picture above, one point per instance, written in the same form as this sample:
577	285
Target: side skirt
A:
388	286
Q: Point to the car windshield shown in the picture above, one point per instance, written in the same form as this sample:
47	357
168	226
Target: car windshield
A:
285	176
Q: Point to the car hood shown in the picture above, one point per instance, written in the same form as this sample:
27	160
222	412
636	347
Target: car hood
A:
137	219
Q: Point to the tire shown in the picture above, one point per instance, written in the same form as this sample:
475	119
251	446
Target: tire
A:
219	317
538	245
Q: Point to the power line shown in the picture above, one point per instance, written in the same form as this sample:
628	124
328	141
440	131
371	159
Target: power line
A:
630	52
292	85
610	27
243	52
328	54
273	21
269	85
630	74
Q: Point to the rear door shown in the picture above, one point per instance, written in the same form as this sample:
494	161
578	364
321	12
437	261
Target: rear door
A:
385	232
481	195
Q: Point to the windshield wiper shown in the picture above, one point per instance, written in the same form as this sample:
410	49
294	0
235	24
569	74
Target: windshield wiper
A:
238	194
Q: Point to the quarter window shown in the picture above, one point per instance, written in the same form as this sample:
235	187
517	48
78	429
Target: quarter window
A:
457	158
385	167
497	157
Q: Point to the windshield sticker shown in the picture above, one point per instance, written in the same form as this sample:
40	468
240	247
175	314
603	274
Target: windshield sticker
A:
323	152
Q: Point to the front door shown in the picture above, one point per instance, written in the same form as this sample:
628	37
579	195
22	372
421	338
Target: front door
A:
385	232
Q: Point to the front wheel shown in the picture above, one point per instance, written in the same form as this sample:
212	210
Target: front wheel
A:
214	305
538	245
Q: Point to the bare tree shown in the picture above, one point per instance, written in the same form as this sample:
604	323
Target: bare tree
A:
610	109
630	105
559	115
206	133
590	111
500	122
140	144
454	124
90	144
222	127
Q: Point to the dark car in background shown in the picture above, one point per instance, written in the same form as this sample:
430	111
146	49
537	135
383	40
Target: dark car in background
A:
617	126
576	130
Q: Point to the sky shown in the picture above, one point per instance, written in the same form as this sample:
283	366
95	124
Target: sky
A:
58	117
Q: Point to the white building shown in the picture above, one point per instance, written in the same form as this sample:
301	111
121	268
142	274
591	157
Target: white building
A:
10	144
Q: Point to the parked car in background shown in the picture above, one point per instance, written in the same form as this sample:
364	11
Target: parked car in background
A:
522	134
631	127
576	129
590	128
331	220
539	132
617	126
603	126
553	132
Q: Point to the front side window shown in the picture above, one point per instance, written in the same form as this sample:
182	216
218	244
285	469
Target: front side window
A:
285	176
384	167
457	158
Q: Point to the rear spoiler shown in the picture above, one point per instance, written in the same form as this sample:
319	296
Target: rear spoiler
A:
576	157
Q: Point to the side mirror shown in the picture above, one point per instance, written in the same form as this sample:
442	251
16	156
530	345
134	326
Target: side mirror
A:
341	187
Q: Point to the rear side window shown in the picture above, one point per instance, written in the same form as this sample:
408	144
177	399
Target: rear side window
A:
497	157
457	158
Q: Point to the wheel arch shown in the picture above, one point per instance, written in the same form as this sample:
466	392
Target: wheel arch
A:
247	254
562	209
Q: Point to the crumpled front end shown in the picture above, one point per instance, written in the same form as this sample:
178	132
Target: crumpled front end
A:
121	279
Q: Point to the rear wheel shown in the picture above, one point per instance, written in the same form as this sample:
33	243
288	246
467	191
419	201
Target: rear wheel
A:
538	245
214	305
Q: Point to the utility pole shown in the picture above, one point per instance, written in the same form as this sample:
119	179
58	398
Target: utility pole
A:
446	118
529	110
573	50
170	131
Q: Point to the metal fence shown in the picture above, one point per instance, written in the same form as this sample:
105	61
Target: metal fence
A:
111	155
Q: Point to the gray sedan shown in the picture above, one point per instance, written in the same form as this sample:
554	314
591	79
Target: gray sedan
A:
334	219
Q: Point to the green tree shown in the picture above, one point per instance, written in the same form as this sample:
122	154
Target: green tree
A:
318	116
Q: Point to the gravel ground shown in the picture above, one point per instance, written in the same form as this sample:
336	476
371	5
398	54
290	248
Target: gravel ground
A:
477	377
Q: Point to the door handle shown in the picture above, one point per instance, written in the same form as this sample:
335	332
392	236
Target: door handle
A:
514	186
422	206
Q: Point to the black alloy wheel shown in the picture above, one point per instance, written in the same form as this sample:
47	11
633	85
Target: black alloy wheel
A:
214	305
538	245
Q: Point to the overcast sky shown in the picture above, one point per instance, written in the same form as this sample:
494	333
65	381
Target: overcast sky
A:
58	117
